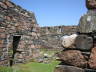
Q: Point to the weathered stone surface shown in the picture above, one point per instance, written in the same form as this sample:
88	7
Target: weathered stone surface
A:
3	35
9	4
91	4
87	22
83	42
2	30
73	57
3	5
65	68
4	63
92	60
89	70
69	41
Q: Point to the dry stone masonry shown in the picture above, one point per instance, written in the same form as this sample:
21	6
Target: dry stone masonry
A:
81	58
50	36
18	32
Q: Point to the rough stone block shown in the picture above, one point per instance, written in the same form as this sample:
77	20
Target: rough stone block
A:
65	68
2	30
2	35
91	4
9	4
73	57
3	5
68	41
4	63
92	60
83	42
1	41
87	22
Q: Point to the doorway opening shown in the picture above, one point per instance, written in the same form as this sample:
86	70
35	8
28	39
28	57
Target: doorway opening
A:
16	40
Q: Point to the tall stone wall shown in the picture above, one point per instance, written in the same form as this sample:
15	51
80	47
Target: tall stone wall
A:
18	32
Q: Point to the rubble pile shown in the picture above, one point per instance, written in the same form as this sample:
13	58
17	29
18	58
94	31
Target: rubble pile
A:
81	57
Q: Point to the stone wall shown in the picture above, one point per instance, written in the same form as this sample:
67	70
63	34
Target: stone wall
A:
81	58
50	36
18	32
66	30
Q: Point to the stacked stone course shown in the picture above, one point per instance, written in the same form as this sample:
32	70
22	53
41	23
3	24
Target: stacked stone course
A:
82	58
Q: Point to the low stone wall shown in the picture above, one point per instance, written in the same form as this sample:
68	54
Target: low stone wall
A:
55	30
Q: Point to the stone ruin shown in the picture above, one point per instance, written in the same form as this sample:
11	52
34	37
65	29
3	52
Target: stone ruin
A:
81	58
18	33
21	37
50	36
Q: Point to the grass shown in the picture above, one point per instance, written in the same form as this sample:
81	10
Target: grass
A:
36	67
31	67
6	69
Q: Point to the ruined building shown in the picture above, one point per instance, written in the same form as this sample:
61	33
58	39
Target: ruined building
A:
21	37
18	31
81	58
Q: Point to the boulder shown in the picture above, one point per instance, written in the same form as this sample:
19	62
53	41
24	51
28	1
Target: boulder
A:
69	41
92	60
87	22
73	57
84	42
91	4
65	68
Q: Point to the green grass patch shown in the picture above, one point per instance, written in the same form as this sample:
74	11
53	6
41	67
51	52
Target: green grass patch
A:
6	69
31	67
36	67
